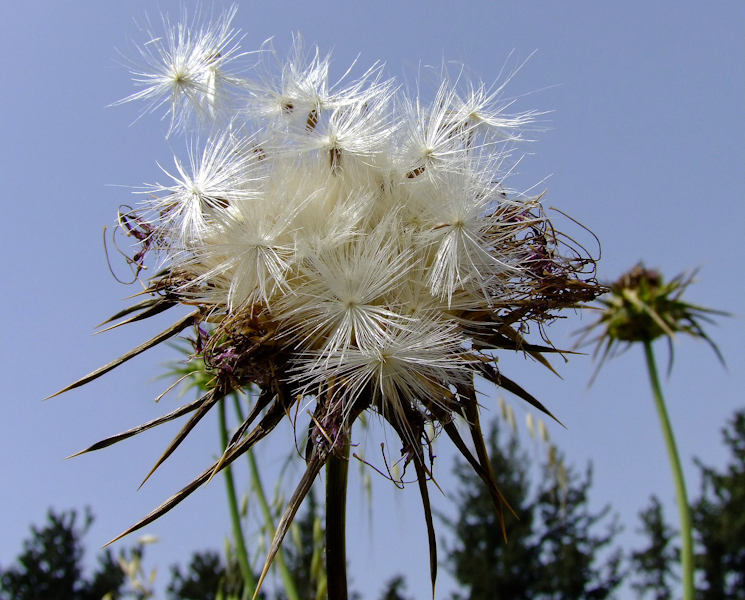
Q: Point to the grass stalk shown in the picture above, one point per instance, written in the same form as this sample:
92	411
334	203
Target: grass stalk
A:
249	581
284	572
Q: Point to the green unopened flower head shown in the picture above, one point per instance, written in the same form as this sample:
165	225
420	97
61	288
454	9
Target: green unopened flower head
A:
641	307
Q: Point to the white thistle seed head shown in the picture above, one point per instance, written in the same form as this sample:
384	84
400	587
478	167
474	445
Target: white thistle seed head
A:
352	245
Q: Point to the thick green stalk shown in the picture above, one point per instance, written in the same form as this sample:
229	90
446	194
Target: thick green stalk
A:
284	572
686	531
249	581
337	469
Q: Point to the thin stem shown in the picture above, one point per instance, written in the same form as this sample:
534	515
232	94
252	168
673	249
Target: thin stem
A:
249	581
284	572
337	469
686	532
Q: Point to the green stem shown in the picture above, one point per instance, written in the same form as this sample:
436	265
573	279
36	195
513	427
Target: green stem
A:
337	469
249	580
686	532
284	571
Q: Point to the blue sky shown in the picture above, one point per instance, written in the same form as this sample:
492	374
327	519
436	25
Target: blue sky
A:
644	144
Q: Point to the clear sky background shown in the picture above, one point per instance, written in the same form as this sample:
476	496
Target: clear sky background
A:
645	145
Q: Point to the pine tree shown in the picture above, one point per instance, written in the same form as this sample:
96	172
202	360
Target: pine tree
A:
719	519
654	566
50	565
553	550
394	588
206	577
719	524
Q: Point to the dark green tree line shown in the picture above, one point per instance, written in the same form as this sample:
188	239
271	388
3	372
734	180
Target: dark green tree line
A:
558	549
50	565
